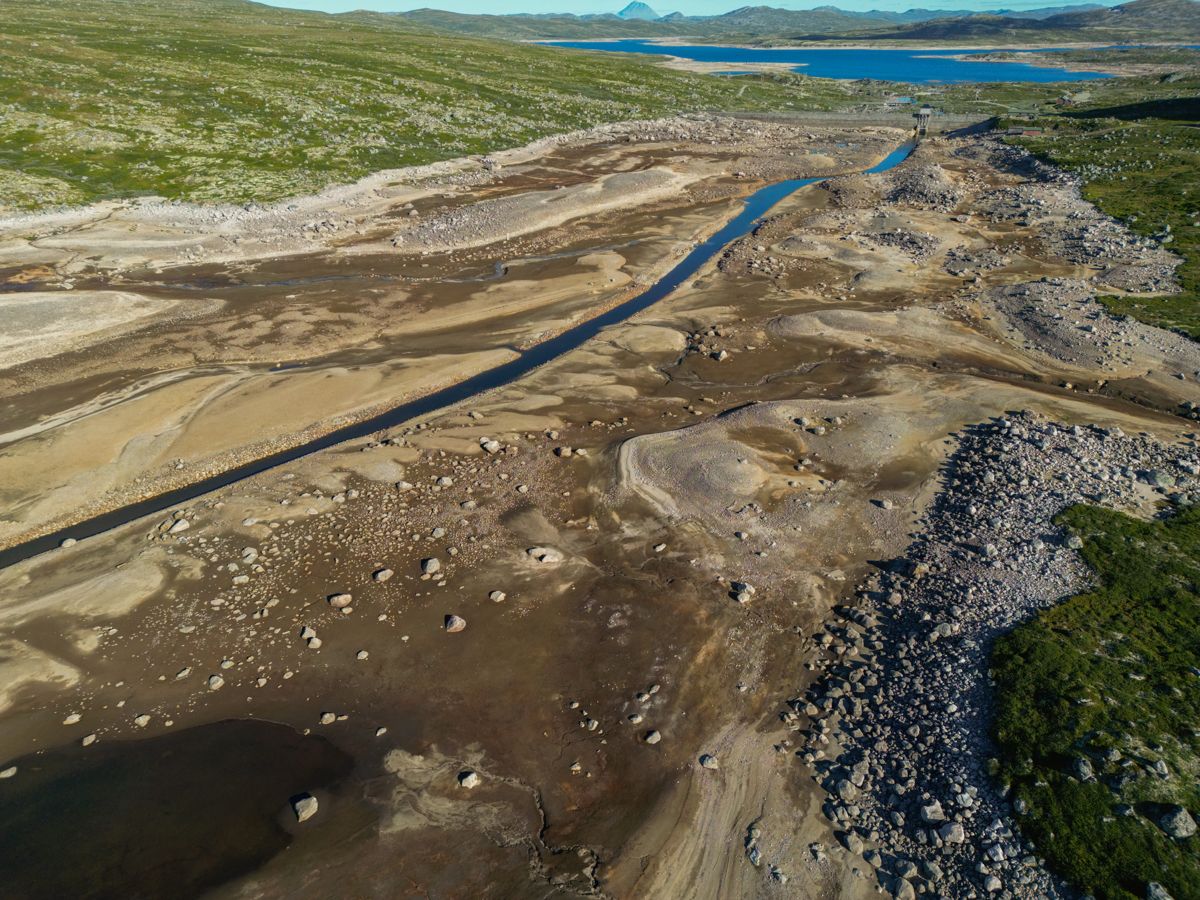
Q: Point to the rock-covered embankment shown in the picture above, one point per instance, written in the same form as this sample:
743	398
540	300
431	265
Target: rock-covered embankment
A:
896	729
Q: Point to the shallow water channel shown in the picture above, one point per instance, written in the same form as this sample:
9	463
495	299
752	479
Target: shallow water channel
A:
755	207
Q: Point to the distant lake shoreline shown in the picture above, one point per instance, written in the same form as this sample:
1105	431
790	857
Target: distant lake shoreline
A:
924	65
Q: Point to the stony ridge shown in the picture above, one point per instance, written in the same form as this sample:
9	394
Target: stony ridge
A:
897	727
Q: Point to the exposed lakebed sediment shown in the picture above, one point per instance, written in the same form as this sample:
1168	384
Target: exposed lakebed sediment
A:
638	547
247	331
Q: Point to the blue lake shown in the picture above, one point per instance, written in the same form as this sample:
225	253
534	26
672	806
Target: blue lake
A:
912	66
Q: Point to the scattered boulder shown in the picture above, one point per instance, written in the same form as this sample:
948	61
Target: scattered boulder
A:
1178	823
952	833
742	592
1084	770
305	807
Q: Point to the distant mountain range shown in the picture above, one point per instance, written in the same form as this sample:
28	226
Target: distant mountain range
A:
1139	20
645	13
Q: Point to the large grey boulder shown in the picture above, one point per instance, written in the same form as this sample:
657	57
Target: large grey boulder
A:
1178	823
952	833
931	813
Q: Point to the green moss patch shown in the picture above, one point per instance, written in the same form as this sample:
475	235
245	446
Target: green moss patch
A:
1098	714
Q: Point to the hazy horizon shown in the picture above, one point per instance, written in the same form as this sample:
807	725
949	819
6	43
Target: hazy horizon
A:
688	7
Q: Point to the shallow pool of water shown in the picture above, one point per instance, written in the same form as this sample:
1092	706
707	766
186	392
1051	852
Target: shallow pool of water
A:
167	816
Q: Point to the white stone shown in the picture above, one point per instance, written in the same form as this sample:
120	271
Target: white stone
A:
305	807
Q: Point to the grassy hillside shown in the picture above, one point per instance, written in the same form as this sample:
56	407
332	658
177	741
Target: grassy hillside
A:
229	100
1144	58
1099	700
1134	143
1140	162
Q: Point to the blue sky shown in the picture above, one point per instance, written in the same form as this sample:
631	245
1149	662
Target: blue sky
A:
691	7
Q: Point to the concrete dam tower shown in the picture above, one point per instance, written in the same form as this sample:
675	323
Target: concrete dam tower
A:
922	116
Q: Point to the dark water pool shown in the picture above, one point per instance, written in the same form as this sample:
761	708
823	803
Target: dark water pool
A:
168	816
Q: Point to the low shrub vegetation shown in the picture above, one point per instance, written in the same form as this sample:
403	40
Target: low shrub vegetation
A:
1098	716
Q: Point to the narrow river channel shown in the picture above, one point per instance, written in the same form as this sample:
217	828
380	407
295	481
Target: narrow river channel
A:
756	206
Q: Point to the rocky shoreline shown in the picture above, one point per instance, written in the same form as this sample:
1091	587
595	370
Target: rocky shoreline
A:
896	729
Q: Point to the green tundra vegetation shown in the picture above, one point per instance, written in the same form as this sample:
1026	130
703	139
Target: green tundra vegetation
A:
1135	145
1098	717
228	100
1136	56
225	100
1140	163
